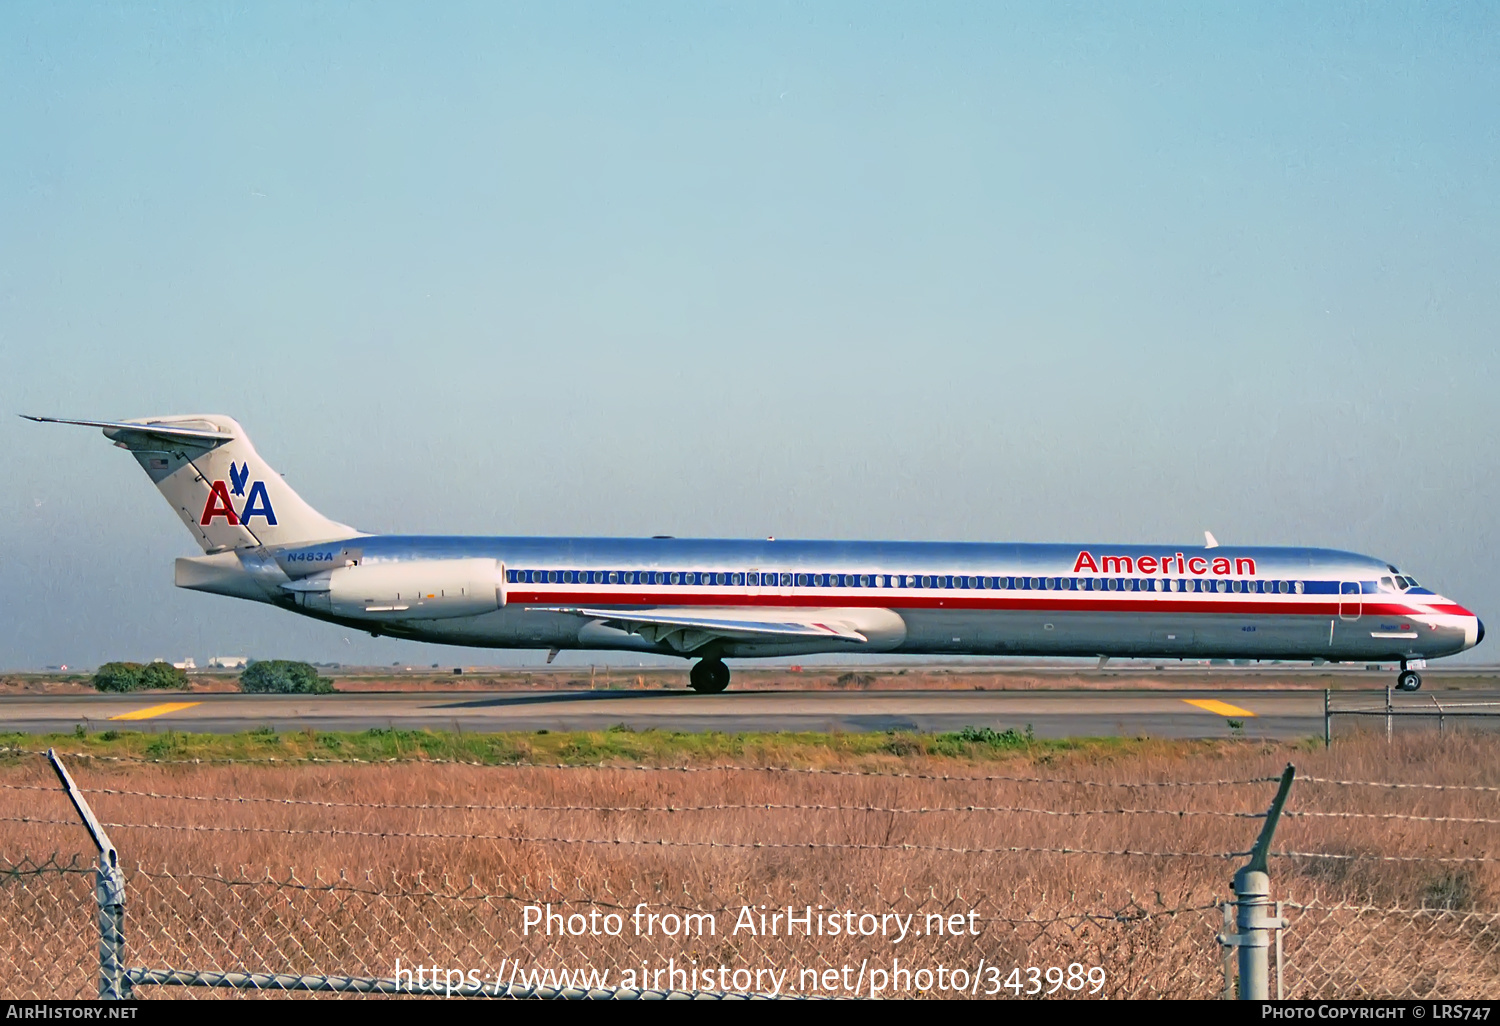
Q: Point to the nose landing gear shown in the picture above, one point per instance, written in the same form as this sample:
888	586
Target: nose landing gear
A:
709	676
1408	680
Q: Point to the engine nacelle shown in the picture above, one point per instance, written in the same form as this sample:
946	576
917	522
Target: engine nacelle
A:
420	589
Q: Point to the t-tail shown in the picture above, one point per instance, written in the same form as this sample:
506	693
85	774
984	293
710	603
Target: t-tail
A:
228	496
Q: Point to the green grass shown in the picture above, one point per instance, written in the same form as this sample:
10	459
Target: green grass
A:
616	744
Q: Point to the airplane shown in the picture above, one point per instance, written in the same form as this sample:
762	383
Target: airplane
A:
711	600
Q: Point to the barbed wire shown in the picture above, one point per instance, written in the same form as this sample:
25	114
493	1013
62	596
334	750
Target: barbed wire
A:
638	768
1393	815
754	807
645	843
1401	786
721	807
1382	858
1318	905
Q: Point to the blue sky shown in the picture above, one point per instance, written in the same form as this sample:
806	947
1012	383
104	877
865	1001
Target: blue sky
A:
1049	272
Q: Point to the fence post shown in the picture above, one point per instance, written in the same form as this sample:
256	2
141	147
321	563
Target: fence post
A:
1252	892
1387	714
1327	717
109	893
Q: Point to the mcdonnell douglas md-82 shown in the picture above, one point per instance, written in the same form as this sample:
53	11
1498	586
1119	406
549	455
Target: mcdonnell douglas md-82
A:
712	600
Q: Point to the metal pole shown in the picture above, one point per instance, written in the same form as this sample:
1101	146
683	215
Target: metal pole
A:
1252	891
1387	714
1327	717
109	893
1227	941
1280	908
1439	709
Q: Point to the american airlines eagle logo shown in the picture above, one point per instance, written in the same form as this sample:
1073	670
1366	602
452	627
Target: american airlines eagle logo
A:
219	504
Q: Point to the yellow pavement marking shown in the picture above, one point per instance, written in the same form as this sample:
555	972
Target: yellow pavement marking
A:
155	710
1221	708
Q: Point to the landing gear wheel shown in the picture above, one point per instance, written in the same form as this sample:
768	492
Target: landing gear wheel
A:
709	676
1409	680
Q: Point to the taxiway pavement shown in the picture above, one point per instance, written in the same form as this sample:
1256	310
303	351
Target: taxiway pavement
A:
1060	713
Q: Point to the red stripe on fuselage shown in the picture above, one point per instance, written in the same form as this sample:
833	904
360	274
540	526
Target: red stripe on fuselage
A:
896	599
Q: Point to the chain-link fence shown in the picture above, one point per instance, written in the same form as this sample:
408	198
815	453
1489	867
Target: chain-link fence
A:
1339	950
674	929
442	934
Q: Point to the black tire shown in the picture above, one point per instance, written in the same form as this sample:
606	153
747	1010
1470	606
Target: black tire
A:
1410	680
709	676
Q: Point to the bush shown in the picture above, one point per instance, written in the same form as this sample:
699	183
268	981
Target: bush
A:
122	677
283	677
118	677
163	675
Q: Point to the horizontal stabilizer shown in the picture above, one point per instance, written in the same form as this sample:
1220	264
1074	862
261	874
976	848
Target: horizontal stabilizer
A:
175	432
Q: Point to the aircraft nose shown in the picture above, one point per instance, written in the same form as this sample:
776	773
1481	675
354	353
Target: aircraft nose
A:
1480	636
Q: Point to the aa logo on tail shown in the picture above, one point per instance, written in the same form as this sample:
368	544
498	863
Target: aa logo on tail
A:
258	504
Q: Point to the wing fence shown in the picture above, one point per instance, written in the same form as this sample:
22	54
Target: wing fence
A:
610	882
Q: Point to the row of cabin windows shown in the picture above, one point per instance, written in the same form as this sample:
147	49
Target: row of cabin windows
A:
790	580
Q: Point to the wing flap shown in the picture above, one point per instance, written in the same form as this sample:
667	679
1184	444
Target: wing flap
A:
686	632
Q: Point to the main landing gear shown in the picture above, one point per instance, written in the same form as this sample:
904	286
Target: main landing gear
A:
709	676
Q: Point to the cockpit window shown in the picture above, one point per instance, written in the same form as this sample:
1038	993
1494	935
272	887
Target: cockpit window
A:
1408	582
1386	584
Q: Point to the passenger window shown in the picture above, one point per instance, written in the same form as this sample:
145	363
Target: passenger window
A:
1298	587
786	580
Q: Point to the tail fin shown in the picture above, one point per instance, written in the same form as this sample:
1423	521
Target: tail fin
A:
213	477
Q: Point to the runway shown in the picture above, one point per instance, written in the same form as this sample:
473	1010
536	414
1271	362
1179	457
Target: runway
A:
1055	714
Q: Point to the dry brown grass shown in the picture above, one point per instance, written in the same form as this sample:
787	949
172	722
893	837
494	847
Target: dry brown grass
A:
1147	919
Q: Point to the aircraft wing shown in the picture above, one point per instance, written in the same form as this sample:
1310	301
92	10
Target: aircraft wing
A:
687	632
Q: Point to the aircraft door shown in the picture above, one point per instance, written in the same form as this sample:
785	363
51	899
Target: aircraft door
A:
752	581
1351	606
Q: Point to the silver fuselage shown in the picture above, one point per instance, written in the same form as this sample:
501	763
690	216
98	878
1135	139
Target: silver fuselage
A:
903	597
